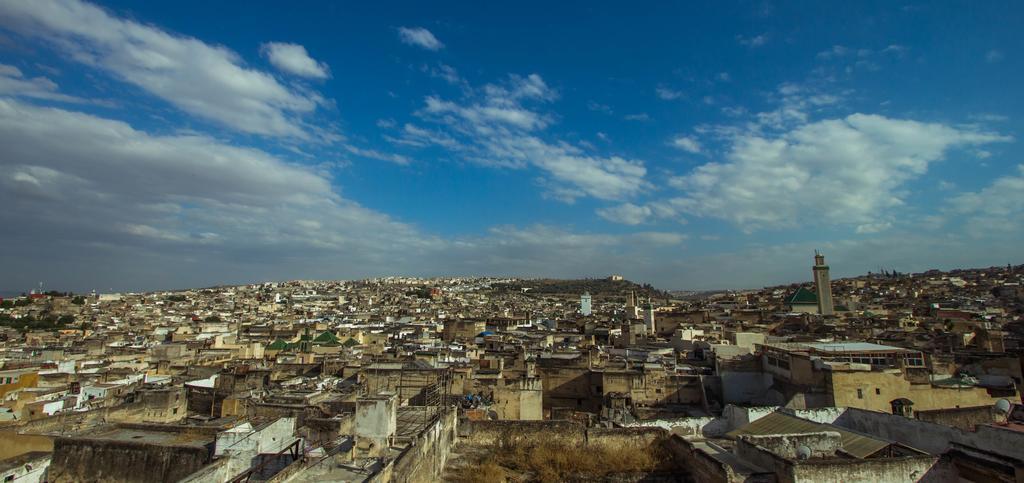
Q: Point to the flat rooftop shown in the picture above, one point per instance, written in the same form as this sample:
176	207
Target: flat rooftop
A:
174	437
836	347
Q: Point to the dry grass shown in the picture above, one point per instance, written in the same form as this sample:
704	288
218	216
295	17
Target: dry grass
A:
488	472
555	461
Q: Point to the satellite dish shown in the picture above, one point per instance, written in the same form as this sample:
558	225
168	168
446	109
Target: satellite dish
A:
1003	406
803	452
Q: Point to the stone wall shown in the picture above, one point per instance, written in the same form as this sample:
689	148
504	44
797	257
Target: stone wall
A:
425	458
624	439
82	460
493	433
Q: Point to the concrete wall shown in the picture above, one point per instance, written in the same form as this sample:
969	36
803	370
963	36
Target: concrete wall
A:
698	426
961	418
823	444
701	465
733	417
874	470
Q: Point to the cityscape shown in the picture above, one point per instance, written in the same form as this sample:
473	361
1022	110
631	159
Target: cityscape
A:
745	241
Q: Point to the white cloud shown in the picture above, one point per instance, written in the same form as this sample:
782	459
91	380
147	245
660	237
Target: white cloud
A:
380	156
668	94
642	117
496	126
205	80
835	51
293	59
895	49
419	37
755	41
687	143
446	72
626	214
108	183
867	228
14	83
598	107
998	207
834	172
994	56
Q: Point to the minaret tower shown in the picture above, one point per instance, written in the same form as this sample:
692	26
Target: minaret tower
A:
822	284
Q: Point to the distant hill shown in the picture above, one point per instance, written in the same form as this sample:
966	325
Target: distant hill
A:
598	287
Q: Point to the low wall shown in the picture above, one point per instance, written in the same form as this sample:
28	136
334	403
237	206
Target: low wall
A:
961	418
697	426
620	439
493	433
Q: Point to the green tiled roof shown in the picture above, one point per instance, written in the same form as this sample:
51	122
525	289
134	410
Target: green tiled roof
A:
326	337
802	296
278	345
351	342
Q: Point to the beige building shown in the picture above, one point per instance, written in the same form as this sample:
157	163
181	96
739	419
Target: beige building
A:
867	376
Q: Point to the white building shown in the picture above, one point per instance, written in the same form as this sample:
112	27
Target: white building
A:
585	304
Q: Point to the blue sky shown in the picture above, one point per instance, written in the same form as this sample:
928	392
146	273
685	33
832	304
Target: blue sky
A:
694	146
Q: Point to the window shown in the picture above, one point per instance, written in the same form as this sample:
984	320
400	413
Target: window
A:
175	411
860	394
878	391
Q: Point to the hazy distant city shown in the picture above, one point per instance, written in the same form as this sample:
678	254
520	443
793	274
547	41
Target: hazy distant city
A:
477	242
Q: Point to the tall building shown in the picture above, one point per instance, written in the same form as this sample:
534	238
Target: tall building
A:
822	284
649	317
632	311
585	307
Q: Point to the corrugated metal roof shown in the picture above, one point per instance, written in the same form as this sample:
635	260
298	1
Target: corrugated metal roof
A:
858	445
852	347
